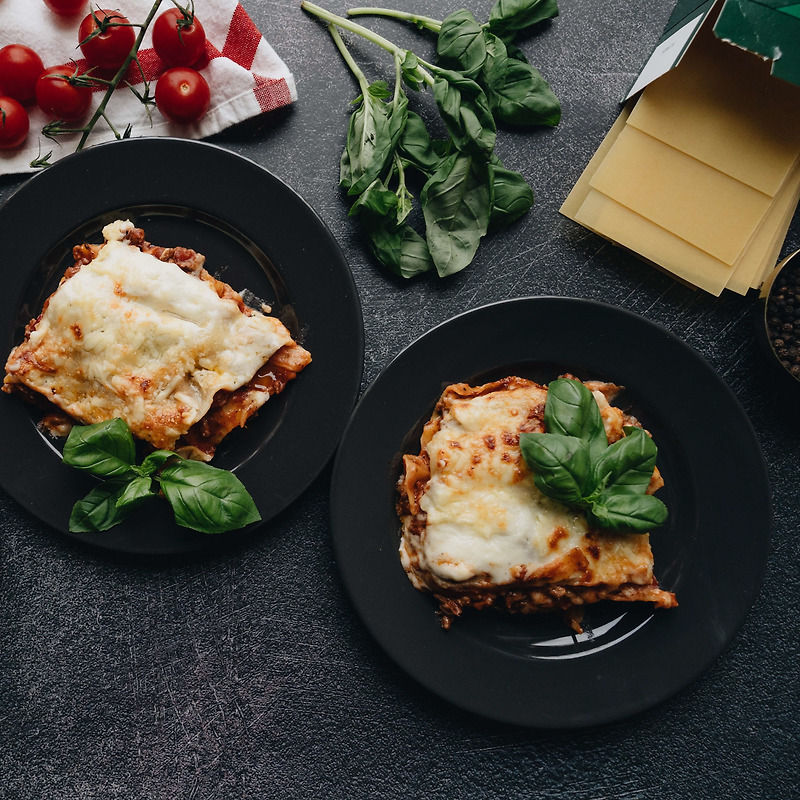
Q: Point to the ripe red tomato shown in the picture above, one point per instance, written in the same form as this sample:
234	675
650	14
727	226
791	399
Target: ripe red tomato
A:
65	7
19	69
59	93
14	123
178	41
110	47
182	95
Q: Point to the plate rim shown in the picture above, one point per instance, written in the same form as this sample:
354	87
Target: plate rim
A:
204	156
480	708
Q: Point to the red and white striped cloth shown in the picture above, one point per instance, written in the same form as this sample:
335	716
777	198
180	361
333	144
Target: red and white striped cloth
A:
244	73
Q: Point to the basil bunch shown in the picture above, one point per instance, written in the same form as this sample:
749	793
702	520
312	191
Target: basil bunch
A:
481	79
202	497
574	463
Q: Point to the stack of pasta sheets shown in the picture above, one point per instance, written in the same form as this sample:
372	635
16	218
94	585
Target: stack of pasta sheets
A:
701	174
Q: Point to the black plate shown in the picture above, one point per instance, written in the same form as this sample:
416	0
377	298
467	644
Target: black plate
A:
256	233
711	553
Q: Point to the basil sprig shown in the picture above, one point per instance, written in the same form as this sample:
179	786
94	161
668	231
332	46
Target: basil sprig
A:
574	463
204	498
481	79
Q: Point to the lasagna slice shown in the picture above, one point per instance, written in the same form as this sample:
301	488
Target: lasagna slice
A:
146	334
476	532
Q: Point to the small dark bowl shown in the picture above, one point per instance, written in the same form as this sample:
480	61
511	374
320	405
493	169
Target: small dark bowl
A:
786	269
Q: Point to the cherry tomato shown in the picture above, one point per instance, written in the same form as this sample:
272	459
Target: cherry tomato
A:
14	123
59	93
182	95
65	7
19	69
109	48
178	42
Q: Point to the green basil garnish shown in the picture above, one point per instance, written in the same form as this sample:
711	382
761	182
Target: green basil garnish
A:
202	497
573	463
98	510
560	464
205	498
105	449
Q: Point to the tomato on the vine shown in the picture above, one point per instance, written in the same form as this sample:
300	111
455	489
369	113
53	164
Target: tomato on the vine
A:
106	38
65	7
63	94
182	95
20	68
178	38
14	123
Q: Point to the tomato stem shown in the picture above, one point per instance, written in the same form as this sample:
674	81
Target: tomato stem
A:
117	79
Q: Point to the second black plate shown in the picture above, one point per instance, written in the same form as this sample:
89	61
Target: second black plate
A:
711	553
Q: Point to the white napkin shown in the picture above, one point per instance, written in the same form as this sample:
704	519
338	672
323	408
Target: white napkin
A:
245	75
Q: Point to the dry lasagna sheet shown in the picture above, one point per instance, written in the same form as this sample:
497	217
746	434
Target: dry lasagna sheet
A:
476	532
146	334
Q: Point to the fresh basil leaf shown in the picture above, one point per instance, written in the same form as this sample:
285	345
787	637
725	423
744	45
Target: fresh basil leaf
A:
496	63
98	510
521	96
377	200
456	204
369	145
411	71
465	110
205	498
398	247
104	449
153	462
513	52
509	16
571	410
401	250
560	465
415	146
379	90
626	466
511	196
637	513
135	493
460	45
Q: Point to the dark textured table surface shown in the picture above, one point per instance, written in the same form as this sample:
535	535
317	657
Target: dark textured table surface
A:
246	674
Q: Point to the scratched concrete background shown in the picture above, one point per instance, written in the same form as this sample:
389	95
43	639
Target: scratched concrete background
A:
247	675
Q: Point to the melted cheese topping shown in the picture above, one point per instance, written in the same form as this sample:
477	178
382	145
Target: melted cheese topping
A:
133	337
487	522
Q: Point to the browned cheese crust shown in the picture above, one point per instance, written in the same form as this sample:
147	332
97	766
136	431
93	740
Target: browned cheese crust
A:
229	409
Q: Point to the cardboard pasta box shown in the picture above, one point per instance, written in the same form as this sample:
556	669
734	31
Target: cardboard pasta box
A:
700	175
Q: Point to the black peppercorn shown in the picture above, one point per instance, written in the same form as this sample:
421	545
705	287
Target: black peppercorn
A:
783	318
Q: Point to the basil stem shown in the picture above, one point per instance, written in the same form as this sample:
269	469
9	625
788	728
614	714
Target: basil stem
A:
420	21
